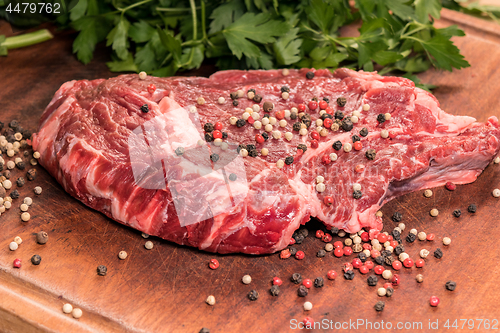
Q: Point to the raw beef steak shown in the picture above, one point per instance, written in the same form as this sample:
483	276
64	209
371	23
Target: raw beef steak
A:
165	156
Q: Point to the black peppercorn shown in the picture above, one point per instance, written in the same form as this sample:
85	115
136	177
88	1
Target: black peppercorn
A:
251	147
362	256
285	89
363	132
11	138
389	260
145	108
347	124
370	154
20	182
296	278
1	126
451	285
411	238
101	270
26	135
341	101
457	213
209	137
385	253
233	95
321	253
379	306
319	282
275	290
265	136
310	75
289	160
357	194
339	115
6	174
204	330
14	124
397	216
1	165
315	99
302	291
396	234
257	98
303	231
337	145
240	147
208	127
326	99
302	147
36	259
299	238
379	260
268	106
472	208
224	135
399	249
381	118
21	165
253	153
31	174
326	115
42	237
214	157
355	138
253	295
235	102
306	119
334	230
389	292
372	280
438	253
14	194
293	249
251	90
240	123
179	151
349	275
293	115
232	177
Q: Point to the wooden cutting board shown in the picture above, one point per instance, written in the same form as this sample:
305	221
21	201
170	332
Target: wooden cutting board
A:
164	289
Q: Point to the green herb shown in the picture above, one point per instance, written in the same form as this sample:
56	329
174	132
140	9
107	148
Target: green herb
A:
23	40
163	37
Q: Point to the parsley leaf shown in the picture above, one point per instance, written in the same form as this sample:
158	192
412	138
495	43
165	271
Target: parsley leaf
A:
443	54
321	13
119	65
118	38
226	14
93	29
424	8
287	48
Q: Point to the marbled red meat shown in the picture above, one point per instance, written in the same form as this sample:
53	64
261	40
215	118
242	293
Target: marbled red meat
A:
106	152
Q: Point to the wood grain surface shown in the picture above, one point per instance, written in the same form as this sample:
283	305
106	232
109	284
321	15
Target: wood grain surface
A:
164	289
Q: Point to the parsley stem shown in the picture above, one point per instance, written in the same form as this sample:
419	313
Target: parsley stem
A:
27	39
123	10
163	9
195	21
203	24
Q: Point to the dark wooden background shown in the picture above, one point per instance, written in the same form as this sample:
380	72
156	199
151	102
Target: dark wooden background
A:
164	290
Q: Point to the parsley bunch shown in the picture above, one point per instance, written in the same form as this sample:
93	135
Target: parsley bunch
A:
163	37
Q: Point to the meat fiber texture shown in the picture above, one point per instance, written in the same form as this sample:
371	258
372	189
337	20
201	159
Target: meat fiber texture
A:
95	140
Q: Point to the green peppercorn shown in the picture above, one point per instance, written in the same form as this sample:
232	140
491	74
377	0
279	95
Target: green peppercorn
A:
341	101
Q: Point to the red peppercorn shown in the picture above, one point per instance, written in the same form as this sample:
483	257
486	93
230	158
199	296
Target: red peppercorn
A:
382	238
327	238
292	241
379	269
307	283
329	110
408	263
151	88
323	105
359	168
357	263
214	264
301	107
395	280
285	254
312	105
280	114
300	255
308	322
327	123
367	246
397	265
17	263
250	120
394	244
277	281
338	252
365	237
363	269
358	145
315	135
319	233
338	244
326	159
314	144
420	263
374	253
450	186
218	135
430	237
331	275
388	285
390	238
369	264
392	134
328	200
434	301
347	251
218	125
347	267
